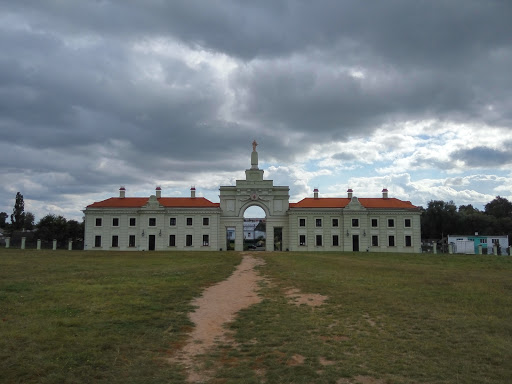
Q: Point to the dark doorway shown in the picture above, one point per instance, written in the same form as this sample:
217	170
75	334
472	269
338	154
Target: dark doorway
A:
355	243
278	238
151	242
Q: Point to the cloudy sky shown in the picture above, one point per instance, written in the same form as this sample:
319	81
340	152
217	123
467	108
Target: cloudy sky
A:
413	96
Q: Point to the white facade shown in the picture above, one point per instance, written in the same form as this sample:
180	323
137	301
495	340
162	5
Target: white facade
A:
313	224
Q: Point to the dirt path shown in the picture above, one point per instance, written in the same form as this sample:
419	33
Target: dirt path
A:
217	306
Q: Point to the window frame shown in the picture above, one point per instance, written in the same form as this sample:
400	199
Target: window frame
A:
172	240
189	240
190	221
392	222
355	223
115	241
115	221
134	221
375	240
319	241
318	222
302	222
97	241
206	240
391	241
408	240
206	221
131	244
152	220
302	243
376	222
172	221
407	223
335	240
98	222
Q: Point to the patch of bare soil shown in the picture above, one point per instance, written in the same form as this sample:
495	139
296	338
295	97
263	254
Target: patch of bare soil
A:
216	307
299	298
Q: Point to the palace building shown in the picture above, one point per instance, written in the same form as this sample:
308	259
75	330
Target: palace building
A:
342	224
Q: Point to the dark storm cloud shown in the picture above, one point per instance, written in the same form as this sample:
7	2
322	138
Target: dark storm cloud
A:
79	113
484	157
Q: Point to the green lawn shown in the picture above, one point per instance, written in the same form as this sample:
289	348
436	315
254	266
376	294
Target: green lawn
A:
78	317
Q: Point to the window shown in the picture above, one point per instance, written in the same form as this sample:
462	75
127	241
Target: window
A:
375	223
189	221
152	221
131	241
318	222
206	240
133	221
318	240
302	222
188	241
335	240
495	241
391	223
334	222
206	221
407	223
115	222
355	222
391	241
115	241
172	221
302	240
375	240
408	241
97	241
483	241
172	240
98	221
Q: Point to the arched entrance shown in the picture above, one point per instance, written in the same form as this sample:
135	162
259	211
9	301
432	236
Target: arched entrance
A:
255	233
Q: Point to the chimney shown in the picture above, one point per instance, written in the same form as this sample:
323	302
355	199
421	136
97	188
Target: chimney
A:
315	193
384	193
158	192
193	192
122	192
350	193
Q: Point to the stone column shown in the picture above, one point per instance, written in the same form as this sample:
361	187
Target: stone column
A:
70	245
38	244
23	240
7	242
495	249
450	248
434	248
479	249
54	244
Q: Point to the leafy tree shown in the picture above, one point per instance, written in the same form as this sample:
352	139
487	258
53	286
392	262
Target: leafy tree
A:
18	213
29	221
439	219
52	227
75	230
3	217
500	207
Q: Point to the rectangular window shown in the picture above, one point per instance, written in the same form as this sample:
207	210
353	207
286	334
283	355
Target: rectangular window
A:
152	221
172	221
115	222
302	240
302	222
375	223
483	241
98	221
335	240
206	240
407	223
391	241
172	240
133	221
334	222
206	221
115	241
391	223
375	240
189	221
97	241
318	240
131	241
188	241
355	222
408	241
318	222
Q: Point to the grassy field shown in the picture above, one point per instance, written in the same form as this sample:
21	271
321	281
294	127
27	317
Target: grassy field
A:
84	317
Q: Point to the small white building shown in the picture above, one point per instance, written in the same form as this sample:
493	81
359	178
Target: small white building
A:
478	244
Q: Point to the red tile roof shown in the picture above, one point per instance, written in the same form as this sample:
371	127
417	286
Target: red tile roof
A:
342	202
137	202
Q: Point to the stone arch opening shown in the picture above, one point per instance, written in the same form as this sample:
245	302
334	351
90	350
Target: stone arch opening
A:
255	232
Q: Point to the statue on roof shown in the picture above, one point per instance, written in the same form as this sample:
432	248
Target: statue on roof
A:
254	145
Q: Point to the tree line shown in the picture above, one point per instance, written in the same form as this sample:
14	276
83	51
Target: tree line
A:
47	229
442	218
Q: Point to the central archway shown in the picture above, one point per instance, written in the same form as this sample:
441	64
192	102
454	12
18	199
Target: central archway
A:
255	233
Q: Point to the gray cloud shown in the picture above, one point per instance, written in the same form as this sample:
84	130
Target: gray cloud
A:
82	110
